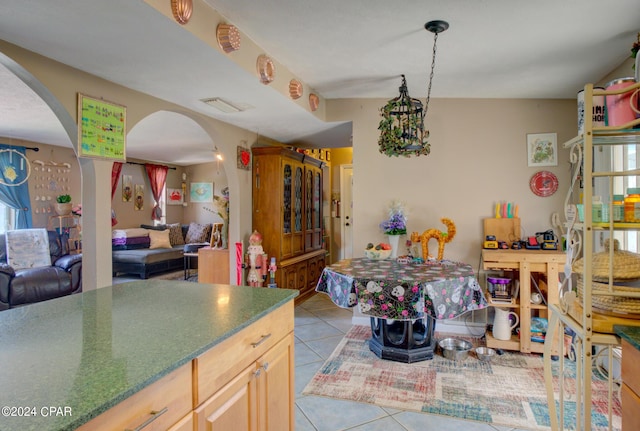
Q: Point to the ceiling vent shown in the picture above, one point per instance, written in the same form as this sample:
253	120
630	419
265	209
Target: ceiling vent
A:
225	106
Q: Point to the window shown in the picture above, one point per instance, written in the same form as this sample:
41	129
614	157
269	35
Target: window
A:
624	159
7	218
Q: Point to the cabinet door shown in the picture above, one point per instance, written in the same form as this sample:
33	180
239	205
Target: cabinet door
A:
276	387
233	407
297	240
292	209
287	210
314	269
294	277
313	209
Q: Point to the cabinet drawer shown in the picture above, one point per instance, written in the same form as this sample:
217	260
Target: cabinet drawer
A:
173	393
217	366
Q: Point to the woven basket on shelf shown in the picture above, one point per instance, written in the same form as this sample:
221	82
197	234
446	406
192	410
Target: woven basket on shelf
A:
626	269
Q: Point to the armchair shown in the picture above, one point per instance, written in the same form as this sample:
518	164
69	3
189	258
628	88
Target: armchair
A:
26	286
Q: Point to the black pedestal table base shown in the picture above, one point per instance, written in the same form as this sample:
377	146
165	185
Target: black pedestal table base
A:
403	340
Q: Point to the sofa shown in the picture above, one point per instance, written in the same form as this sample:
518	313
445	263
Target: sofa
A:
150	250
19	287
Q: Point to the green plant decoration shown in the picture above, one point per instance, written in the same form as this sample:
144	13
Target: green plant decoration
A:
63	199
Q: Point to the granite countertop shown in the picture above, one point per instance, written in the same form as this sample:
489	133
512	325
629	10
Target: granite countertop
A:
629	333
85	353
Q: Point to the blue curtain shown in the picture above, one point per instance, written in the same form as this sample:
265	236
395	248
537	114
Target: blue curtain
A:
14	188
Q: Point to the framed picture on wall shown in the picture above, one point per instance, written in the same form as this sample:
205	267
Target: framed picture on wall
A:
201	192
174	197
542	149
101	129
127	188
138	204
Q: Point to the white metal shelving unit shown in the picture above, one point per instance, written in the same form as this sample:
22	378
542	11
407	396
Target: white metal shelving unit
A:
577	313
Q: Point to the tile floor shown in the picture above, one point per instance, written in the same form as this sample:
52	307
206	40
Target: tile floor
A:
319	327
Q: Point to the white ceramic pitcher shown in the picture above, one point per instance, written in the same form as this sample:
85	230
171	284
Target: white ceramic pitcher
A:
502	327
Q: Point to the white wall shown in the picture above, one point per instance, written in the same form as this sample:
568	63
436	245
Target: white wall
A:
478	157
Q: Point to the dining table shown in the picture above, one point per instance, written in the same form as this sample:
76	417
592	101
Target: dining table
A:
404	299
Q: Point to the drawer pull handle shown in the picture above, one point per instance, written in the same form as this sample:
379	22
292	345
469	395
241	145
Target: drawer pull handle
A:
154	415
262	340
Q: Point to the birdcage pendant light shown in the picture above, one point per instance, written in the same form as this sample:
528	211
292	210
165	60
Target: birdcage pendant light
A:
402	128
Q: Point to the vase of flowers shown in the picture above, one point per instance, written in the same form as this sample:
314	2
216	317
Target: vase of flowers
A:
394	226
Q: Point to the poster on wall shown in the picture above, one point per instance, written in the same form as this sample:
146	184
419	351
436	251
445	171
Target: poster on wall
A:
201	192
174	197
101	129
127	188
138	205
542	149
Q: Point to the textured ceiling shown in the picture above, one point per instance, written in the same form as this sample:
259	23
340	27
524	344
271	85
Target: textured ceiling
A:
341	49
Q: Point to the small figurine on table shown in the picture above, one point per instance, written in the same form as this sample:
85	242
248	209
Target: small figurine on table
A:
257	260
272	273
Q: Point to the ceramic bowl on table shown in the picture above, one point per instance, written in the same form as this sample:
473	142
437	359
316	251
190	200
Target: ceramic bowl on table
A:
374	254
485	353
455	349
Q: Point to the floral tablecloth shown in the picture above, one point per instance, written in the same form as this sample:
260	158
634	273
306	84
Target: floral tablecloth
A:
403	291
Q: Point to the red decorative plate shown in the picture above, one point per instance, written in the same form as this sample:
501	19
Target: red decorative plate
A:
543	183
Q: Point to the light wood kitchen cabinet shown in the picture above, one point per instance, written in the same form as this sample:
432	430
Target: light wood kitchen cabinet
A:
630	390
257	399
287	211
160	405
213	265
246	383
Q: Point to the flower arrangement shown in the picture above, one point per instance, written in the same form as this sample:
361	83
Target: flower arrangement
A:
396	224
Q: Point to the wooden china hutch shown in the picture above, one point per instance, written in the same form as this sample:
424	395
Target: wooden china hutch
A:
287	211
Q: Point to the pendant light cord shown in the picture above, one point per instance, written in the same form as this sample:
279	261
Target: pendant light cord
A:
433	67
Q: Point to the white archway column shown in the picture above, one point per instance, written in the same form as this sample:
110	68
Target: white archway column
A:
96	237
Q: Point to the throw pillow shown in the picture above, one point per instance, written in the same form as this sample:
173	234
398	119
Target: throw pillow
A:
28	248
198	233
175	234
159	239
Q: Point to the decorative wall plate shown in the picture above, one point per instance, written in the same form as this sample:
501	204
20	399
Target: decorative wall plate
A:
228	37
314	101
244	158
543	183
266	69
295	89
182	10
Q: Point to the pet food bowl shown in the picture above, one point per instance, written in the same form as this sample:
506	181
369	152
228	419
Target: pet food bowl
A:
374	254
455	348
485	353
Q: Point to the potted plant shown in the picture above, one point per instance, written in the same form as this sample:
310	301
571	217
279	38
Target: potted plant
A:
63	205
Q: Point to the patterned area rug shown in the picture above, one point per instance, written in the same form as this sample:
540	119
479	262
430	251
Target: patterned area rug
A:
509	390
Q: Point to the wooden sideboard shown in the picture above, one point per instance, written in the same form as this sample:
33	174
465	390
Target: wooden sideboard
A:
213	265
